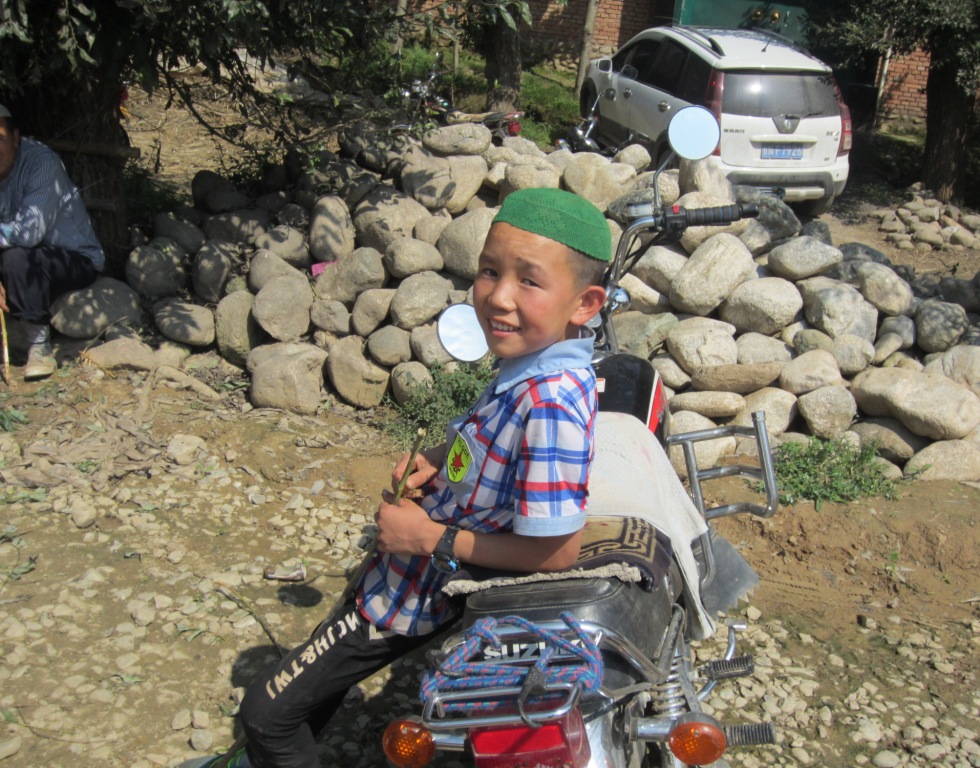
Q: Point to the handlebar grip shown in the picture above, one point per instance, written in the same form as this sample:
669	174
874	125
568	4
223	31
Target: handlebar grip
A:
720	214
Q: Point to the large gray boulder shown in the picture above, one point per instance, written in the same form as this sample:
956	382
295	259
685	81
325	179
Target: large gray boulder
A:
461	242
418	299
462	139
883	287
237	226
214	264
659	264
185	323
894	440
764	306
370	310
947	460
700	342
348	278
358	380
837	308
185	233
332	231
803	257
156	273
928	404
385	214
266	266
961	364
810	371
939	325
86	313
711	274
282	307
828	411
288	244
641	334
408	256
287	376
236	330
779	406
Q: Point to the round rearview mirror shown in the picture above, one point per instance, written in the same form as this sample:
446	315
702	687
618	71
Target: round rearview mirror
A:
460	333
693	133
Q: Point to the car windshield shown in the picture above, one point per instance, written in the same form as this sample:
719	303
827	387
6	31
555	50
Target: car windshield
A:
768	94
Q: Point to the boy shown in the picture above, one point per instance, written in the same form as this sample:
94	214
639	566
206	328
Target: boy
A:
508	490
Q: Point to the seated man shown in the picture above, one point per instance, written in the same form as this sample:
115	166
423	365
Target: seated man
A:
47	245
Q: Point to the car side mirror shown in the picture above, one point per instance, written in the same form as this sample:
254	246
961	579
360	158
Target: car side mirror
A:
605	65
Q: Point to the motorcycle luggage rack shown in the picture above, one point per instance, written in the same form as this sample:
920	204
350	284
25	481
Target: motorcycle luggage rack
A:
765	473
436	717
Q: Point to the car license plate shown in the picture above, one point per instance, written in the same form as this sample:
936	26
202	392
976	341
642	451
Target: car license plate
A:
782	151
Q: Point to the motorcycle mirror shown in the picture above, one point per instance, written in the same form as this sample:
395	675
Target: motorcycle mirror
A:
693	133
460	333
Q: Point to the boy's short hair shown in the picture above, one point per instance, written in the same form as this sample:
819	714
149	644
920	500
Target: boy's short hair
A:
565	218
8	118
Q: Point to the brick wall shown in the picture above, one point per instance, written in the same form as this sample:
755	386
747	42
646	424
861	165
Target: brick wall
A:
904	91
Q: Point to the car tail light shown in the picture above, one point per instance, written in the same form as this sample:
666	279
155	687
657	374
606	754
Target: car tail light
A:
697	739
408	744
712	99
846	126
513	128
557	744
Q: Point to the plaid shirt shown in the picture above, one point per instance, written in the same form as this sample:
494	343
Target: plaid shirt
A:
518	461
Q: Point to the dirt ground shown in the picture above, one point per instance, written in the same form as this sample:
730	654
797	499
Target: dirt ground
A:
824	572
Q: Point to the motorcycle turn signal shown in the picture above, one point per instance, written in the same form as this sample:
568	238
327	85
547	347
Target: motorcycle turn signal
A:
408	744
697	739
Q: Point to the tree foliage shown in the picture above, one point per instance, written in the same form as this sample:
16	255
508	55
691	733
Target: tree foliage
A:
949	31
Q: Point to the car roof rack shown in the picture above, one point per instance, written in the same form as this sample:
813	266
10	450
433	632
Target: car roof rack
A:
703	36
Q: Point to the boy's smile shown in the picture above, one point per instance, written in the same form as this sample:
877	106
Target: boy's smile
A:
527	294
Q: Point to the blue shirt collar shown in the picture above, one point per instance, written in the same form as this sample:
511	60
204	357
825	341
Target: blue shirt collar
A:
560	356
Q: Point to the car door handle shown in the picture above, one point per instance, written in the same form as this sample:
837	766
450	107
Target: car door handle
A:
664	106
627	93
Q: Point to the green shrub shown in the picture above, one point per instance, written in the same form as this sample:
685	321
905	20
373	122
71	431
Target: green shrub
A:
451	394
829	470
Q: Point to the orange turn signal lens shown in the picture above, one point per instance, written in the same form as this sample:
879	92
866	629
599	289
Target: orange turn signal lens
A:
697	739
408	744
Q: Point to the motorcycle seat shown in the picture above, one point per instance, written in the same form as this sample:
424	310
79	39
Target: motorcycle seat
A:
457	117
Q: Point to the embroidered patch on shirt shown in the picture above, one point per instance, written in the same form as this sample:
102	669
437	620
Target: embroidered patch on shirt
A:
459	460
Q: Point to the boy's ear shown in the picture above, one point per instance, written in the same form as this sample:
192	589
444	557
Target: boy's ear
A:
590	302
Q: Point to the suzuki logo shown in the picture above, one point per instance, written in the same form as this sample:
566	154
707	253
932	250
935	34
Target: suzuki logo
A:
786	123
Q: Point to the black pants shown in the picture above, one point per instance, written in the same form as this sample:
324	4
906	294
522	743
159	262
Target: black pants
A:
35	277
283	711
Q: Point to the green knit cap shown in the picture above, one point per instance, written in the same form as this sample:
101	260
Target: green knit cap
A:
560	216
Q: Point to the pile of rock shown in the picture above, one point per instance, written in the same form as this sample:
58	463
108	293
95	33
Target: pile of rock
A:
925	224
335	274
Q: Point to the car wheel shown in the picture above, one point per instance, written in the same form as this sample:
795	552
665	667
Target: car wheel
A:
815	208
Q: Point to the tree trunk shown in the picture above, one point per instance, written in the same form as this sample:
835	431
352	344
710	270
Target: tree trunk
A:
503	68
86	132
949	112
586	52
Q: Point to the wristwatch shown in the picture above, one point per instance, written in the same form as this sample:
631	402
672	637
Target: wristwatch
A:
443	559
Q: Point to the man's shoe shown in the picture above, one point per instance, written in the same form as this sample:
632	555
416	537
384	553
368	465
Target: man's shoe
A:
40	362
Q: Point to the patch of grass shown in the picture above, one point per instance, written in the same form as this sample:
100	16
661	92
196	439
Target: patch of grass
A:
11	418
829	470
146	195
451	394
550	104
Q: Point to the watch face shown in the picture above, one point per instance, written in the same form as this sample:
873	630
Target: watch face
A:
445	564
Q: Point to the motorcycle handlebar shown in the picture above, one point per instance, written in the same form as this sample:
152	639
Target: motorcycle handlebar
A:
719	214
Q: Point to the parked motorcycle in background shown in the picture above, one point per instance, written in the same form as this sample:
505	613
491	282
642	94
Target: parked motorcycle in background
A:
424	105
597	670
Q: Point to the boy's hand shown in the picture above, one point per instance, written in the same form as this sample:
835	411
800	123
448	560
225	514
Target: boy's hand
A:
405	528
427	466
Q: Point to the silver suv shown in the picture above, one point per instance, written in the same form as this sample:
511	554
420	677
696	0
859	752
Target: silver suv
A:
783	122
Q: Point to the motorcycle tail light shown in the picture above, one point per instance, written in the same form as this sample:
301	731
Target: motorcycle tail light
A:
697	739
513	128
560	743
408	744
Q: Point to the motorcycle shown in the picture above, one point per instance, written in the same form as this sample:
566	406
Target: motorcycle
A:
581	138
594	666
423	105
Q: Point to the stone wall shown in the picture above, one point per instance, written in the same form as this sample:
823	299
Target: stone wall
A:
328	284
